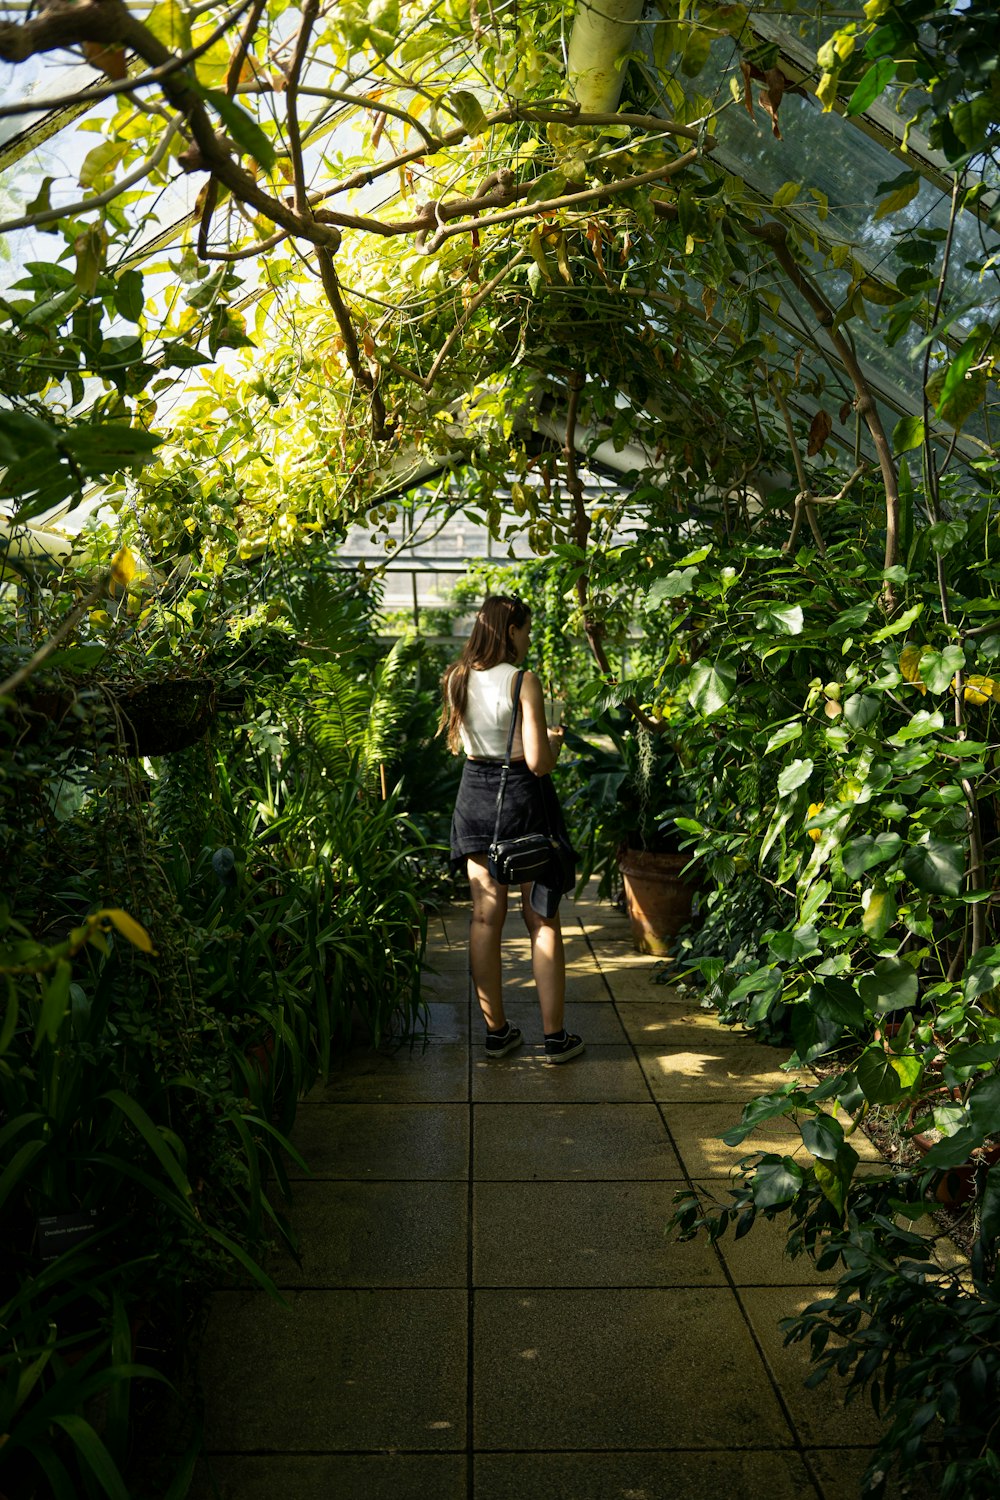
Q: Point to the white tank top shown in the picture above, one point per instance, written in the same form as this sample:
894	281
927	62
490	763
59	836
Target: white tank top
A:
486	721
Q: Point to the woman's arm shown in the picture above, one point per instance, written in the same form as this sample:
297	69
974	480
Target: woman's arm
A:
541	745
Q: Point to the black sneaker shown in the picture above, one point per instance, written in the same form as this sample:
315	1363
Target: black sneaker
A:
499	1043
560	1049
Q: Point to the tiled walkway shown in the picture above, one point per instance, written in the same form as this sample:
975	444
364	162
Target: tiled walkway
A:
488	1307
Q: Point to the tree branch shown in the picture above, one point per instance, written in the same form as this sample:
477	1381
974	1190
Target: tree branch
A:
776	236
310	10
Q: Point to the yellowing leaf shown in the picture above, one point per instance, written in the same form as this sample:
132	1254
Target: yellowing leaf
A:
123	568
128	927
909	665
981	689
814	833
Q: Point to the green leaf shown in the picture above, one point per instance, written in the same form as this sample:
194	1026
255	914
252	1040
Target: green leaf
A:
786	619
864	853
788	946
94	1454
672	587
891	986
764	1107
947	534
898	199
787	193
784	736
878	1078
54	1003
937	668
711	685
129	297
837	1000
243	128
823	1137
796	774
777	1182
936	867
861	709
879	911
989	1206
873	83
908	433
468	109
153	1137
902	622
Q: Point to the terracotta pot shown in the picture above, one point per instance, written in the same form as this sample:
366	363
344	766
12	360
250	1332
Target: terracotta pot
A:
658	899
956	1185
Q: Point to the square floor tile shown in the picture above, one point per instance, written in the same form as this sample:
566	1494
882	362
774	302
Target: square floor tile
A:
376	1234
555	1234
619	1370
697	1129
710	1071
404	1141
421	1072
572	1142
820	1416
335	1370
662	1023
338	1476
447	1021
777	1475
760	1257
601	1074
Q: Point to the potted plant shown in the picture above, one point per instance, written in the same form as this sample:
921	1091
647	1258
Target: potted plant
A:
629	793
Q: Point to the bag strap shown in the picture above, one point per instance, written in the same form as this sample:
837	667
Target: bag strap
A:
505	769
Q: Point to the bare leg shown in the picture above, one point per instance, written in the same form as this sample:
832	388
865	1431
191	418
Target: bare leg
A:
489	908
548	962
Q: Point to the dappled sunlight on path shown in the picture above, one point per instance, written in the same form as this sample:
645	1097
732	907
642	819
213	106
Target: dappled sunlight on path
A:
488	1305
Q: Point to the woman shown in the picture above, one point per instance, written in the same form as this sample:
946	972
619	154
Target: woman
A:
478	700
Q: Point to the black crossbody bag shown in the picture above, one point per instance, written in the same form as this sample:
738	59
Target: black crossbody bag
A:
513	861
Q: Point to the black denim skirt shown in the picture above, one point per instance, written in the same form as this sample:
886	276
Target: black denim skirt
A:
530	805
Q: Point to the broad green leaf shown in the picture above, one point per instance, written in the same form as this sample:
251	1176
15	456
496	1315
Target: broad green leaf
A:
873	83
901	623
924	722
908	433
861	709
946	535
891	986
784	736
764	1107
937	668
777	1182
673	586
878	1078
822	1136
989	1206
787	193
935	866
879	912
796	774
790	946
899	198
468	109
785	619
711	685
864	853
838	1000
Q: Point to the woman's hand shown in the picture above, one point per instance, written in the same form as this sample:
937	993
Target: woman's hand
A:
555	741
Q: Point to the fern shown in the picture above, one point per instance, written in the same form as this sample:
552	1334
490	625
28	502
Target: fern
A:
355	722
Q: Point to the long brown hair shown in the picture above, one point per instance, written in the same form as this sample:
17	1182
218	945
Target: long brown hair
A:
489	644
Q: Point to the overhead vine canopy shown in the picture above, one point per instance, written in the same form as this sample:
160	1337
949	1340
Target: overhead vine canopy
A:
279	260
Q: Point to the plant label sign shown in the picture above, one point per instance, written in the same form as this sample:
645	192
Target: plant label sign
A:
60	1232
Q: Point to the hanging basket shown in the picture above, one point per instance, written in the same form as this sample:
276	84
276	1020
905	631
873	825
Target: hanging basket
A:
659	900
159	718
